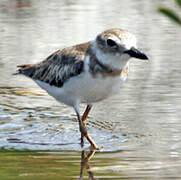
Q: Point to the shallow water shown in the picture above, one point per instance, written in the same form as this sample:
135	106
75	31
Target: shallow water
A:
76	165
140	128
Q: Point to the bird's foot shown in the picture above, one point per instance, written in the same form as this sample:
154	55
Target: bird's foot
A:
93	148
85	134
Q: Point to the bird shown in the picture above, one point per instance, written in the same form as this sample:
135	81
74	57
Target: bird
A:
86	73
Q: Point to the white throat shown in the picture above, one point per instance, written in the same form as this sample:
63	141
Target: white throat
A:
114	61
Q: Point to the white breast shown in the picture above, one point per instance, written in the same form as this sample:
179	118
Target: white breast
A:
84	89
99	88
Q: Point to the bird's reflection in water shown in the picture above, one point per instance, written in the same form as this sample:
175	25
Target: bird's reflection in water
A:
85	165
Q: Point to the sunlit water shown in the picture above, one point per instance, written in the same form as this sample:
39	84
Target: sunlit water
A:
141	125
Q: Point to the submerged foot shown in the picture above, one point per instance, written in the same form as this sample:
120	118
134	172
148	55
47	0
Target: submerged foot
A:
93	148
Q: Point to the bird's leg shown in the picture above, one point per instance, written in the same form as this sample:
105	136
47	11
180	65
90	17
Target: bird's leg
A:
83	129
85	133
84	117
86	112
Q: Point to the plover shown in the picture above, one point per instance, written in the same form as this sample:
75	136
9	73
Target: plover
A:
87	72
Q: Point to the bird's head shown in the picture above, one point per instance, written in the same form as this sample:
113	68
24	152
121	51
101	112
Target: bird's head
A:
115	47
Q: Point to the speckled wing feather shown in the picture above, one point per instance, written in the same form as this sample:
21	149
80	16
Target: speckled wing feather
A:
58	67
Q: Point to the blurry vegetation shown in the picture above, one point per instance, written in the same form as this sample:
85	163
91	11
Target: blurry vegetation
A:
170	12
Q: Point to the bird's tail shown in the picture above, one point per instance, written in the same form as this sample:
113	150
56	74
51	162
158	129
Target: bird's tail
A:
21	68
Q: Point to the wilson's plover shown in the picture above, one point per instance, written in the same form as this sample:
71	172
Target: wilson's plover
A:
86	73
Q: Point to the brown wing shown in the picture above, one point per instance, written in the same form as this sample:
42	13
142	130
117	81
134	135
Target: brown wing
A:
58	67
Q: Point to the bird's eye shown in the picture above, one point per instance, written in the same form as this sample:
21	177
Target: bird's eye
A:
111	43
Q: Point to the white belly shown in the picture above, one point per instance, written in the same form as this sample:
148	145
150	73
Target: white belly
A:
91	89
84	89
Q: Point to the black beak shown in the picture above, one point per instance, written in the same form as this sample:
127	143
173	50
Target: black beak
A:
133	52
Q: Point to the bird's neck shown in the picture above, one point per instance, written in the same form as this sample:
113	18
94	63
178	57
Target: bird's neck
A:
96	65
